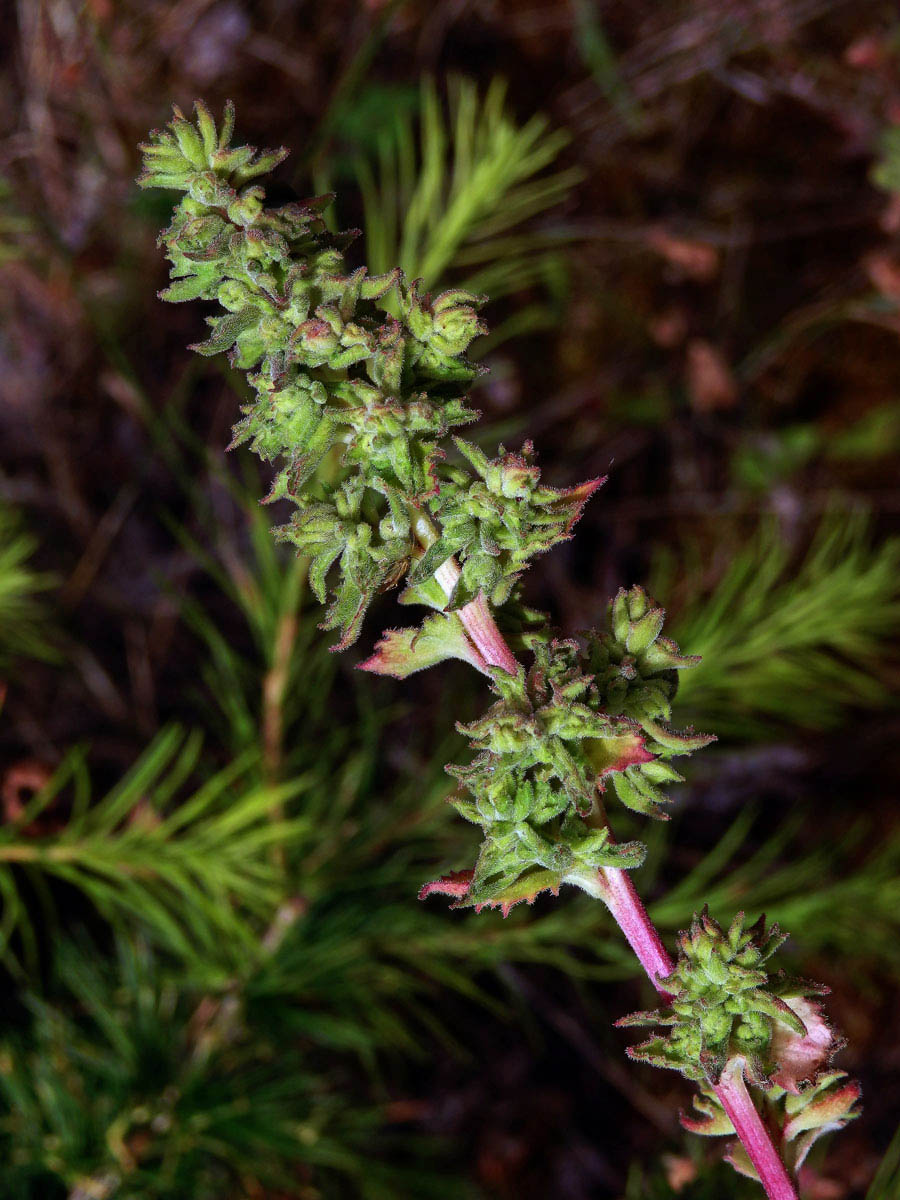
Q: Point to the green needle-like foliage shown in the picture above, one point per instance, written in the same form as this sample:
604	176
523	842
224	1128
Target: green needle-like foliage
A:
198	874
134	1084
459	202
24	624
266	693
841	898
799	647
153	1082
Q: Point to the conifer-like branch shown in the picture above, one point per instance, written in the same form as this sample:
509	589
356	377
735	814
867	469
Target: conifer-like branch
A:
25	628
461	201
198	875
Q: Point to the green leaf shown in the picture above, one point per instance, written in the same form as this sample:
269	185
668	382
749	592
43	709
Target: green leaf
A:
226	331
402	652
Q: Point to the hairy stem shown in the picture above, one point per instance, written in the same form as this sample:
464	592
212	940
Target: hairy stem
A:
478	622
617	891
750	1128
627	908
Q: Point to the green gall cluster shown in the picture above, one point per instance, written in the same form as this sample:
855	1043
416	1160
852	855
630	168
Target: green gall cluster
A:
498	521
586	714
635	665
199	160
726	1005
358	381
635	671
351	402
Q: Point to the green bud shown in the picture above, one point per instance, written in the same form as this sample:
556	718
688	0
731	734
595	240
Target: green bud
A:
190	143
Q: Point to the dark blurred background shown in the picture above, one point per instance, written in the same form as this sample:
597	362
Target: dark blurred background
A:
688	219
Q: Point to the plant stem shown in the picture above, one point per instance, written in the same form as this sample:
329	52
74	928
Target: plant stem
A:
627	908
732	1093
479	623
616	889
477	619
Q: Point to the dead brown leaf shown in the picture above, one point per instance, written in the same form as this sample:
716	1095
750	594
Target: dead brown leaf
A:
710	382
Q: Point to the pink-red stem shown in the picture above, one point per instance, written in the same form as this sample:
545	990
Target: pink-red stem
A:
627	908
478	621
732	1093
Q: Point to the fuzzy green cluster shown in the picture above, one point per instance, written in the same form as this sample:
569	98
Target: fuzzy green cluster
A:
497	521
586	714
352	402
733	1017
532	783
635	672
725	1004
